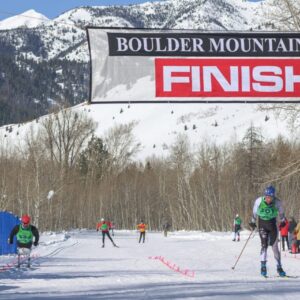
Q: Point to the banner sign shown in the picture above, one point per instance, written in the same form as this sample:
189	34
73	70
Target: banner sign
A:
139	65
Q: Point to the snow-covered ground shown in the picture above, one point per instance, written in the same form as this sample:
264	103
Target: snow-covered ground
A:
185	265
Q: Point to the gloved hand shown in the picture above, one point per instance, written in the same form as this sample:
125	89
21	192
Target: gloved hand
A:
35	244
9	242
252	225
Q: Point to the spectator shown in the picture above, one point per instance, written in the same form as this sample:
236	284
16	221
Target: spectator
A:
292	227
297	232
284	230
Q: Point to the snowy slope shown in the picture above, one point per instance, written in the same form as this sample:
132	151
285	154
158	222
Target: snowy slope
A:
158	125
29	19
185	265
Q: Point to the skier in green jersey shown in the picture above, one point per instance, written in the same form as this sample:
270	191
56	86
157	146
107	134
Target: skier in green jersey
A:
266	209
237	227
25	232
104	226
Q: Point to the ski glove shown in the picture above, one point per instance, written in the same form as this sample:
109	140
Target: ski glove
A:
252	225
35	244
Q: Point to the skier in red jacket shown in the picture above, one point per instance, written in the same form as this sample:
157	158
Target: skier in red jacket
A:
104	226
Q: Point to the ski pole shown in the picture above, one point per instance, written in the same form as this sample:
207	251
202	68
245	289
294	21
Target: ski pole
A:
243	249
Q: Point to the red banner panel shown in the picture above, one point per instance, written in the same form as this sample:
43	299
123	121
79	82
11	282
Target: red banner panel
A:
228	77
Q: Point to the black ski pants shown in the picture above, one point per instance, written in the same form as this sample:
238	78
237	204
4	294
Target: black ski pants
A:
285	238
108	235
142	235
268	234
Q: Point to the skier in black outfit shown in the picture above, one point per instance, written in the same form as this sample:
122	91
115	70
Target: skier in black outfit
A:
267	208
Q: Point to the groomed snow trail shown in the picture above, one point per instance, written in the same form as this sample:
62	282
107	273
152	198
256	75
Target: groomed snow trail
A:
185	265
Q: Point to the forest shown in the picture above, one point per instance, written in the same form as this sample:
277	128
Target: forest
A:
65	177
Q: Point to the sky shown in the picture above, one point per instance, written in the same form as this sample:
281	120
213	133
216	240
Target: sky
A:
53	8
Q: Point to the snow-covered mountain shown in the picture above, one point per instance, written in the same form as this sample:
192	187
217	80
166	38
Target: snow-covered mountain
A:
29	19
65	37
59	48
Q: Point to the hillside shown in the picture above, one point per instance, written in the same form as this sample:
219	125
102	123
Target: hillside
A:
159	125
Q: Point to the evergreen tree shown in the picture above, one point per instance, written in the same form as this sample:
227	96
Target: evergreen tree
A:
94	159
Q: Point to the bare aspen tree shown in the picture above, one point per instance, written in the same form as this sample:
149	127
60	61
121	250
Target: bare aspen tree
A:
206	179
66	132
34	153
4	176
286	14
122	145
181	159
291	114
64	135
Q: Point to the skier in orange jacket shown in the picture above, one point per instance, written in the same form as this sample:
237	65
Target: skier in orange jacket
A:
142	228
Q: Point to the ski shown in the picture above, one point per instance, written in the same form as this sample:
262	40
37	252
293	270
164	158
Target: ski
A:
286	276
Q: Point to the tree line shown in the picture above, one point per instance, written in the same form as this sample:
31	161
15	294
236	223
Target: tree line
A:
65	177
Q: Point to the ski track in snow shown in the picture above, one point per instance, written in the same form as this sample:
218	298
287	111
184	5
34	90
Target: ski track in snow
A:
74	266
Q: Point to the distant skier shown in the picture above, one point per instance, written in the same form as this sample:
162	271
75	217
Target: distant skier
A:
104	227
166	228
237	223
25	232
142	228
267	208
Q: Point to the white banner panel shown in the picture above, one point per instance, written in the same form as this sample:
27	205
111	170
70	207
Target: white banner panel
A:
139	65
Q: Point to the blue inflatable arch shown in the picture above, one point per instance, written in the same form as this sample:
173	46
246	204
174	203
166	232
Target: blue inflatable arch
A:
7	222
